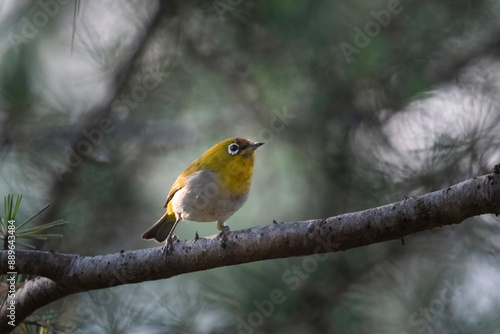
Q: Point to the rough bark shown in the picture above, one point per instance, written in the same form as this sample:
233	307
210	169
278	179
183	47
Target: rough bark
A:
64	274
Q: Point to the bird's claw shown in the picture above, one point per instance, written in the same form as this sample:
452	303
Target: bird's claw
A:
223	236
169	245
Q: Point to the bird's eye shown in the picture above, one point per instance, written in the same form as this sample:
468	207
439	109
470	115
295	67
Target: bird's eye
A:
233	149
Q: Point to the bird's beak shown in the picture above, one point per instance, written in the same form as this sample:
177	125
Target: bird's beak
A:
253	146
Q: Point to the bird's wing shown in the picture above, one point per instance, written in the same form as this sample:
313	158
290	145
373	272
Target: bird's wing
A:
178	185
182	179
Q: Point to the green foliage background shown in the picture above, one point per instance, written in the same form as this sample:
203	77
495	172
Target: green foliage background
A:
414	110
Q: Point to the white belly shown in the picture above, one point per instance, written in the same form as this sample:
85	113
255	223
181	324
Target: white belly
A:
203	200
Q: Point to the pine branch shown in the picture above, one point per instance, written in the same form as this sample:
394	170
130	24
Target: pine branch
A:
65	274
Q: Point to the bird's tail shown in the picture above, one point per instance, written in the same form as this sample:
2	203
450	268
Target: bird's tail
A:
160	230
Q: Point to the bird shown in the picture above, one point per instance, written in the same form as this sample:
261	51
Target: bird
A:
212	188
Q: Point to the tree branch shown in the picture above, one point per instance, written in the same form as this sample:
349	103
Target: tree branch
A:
64	274
121	77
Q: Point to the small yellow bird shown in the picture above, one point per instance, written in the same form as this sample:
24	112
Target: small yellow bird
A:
212	188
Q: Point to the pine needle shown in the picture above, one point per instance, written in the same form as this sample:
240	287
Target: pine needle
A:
36	214
75	14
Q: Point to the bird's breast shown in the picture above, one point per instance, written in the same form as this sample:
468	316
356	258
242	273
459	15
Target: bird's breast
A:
209	196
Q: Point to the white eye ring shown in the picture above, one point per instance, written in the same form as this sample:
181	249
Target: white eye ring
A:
233	149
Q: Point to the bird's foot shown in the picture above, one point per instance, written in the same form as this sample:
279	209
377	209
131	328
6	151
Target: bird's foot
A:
223	236
169	245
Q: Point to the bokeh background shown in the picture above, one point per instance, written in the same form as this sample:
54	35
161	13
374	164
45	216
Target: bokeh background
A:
104	103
